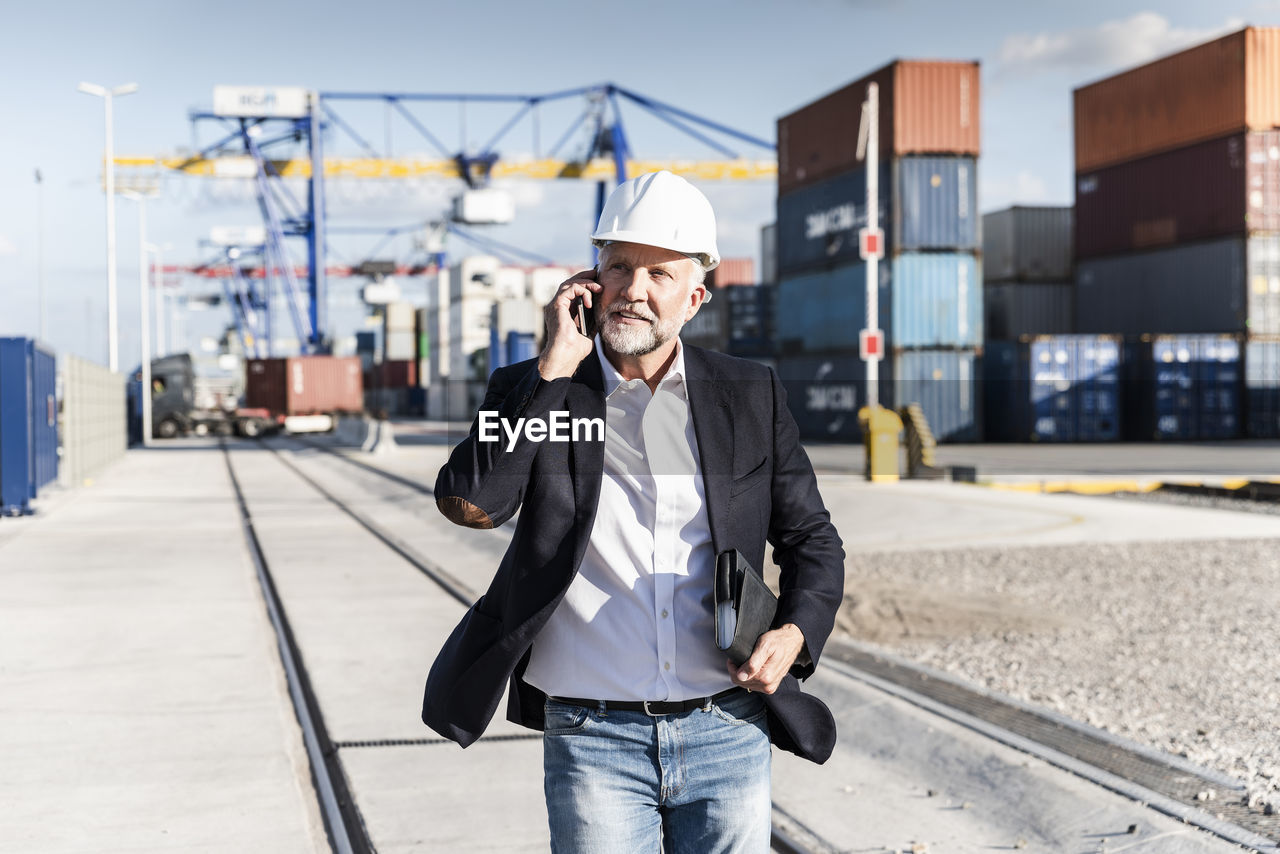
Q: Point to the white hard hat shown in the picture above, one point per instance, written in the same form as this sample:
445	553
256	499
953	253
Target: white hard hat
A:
664	210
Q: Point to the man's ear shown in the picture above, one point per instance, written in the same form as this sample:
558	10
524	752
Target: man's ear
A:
696	299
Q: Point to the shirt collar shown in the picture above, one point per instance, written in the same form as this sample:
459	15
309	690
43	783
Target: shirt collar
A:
613	379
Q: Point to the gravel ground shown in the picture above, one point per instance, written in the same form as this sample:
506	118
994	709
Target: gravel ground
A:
1238	505
1175	645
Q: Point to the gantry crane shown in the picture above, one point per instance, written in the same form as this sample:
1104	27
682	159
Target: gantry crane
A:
258	121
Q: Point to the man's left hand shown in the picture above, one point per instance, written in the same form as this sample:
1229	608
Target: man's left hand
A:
773	656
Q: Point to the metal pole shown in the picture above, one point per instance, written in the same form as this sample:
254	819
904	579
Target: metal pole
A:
145	317
113	331
873	225
317	284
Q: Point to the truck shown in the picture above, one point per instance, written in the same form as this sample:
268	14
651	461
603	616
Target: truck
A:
298	394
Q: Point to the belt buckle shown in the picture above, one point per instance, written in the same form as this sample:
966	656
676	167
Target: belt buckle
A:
644	704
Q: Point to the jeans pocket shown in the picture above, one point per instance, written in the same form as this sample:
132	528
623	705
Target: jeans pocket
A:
740	709
564	719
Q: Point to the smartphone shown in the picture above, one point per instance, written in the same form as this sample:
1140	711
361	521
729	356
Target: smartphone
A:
584	317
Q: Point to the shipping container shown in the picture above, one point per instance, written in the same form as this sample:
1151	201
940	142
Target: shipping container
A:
1194	288
751	312
1014	309
28	423
1059	388
926	107
1182	387
769	254
400	344
926	203
398	316
731	272
1188	194
304	385
1262	300
709	328
399	373
826	390
946	385
1222	87
1028	244
925	300
1262	387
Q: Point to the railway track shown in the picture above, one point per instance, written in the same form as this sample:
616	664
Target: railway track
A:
1157	780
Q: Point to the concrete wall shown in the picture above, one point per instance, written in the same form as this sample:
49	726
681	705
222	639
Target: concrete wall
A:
94	421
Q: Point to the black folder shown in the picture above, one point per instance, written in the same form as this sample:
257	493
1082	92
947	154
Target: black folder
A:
745	606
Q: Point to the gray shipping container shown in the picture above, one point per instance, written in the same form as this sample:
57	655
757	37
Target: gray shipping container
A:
769	254
1027	244
1014	309
1263	286
1193	288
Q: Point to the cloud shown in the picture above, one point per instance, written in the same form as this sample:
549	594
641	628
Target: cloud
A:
1111	44
7	247
1025	187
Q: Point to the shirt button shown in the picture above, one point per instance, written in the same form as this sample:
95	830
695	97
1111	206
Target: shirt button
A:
666	666
664	612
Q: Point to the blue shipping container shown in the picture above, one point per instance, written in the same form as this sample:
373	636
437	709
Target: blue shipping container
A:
1262	387
926	203
826	390
1054	388
926	300
28	422
1182	387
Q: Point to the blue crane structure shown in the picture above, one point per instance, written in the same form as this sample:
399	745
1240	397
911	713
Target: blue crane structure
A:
249	138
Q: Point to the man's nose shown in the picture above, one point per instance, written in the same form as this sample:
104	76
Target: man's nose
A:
636	289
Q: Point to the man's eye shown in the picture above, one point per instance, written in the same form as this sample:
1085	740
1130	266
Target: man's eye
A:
660	273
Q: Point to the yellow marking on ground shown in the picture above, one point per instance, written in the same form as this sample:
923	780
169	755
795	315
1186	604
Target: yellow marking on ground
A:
1237	483
1077	487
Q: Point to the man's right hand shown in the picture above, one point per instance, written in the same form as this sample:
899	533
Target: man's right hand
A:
565	347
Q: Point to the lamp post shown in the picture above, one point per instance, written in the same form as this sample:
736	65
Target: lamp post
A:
40	253
109	168
144	306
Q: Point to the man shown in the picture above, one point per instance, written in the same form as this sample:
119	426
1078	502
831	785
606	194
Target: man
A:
601	610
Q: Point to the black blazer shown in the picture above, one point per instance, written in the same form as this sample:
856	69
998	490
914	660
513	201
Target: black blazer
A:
758	483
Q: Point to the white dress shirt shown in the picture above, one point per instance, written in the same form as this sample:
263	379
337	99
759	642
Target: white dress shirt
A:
637	622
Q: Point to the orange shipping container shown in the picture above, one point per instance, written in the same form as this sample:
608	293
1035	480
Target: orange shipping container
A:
733	271
1225	86
304	385
926	107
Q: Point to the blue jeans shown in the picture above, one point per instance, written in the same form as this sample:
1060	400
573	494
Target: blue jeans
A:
694	783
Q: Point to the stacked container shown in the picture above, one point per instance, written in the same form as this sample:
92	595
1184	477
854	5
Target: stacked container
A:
930	295
1178	212
1027	275
1054	388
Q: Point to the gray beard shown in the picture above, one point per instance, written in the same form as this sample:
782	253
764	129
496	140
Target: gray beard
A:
632	340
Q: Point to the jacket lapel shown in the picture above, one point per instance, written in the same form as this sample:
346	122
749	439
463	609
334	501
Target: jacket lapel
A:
709	405
585	399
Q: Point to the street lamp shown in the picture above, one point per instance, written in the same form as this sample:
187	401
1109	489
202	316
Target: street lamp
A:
109	167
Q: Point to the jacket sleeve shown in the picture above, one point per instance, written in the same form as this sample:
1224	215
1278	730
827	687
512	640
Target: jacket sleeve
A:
483	483
805	544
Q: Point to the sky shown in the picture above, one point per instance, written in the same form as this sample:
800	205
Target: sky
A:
742	63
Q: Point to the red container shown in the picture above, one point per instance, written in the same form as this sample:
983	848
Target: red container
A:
733	271
398	373
304	385
926	107
1226	86
1222	187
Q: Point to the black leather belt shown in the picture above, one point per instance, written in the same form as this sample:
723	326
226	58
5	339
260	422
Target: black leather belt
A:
652	708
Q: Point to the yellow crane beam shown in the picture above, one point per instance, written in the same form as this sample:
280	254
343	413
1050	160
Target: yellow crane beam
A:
408	167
